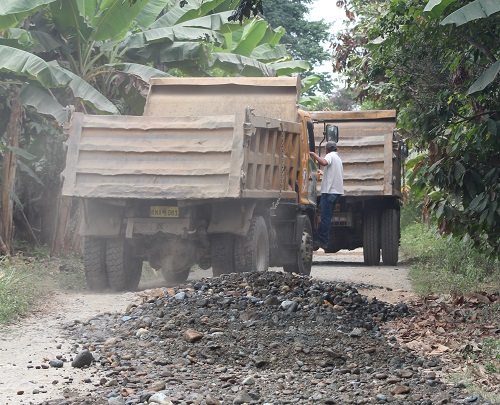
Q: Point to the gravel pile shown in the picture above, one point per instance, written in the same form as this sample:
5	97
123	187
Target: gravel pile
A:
255	338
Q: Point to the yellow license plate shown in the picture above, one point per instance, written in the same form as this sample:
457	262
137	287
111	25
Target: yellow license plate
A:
158	211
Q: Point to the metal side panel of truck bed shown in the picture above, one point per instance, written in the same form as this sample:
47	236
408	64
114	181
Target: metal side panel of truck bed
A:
184	158
369	148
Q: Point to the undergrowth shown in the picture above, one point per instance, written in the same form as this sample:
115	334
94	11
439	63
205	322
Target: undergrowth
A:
30	277
441	264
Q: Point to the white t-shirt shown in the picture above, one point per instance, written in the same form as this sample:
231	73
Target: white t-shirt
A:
333	175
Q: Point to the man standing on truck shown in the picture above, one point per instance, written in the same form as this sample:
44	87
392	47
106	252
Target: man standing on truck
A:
332	187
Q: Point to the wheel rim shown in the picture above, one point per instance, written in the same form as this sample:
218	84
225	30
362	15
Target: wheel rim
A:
306	248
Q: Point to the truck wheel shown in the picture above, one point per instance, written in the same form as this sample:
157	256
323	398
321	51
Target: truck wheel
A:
222	253
124	271
304	253
94	263
371	238
177	277
251	252
390	236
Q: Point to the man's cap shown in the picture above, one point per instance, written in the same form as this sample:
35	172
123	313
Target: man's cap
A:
330	145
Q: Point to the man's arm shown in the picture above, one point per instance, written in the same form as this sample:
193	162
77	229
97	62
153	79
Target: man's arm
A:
319	159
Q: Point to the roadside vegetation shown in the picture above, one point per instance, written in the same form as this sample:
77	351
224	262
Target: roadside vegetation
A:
31	276
440	264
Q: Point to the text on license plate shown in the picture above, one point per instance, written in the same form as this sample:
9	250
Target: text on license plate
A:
157	211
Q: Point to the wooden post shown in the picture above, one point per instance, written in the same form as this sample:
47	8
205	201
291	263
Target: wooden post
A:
9	172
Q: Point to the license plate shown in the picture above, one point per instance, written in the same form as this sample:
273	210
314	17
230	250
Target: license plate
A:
158	211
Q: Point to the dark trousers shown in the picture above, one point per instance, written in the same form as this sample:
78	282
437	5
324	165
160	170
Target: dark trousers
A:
327	203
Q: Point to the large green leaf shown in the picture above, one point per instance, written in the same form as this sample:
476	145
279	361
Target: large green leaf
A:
17	38
21	6
240	65
290	67
179	33
46	42
68	20
309	81
21	152
193	9
436	7
150	13
268	53
25	168
145	73
251	37
217	22
273	36
180	52
114	18
473	11
12	20
85	92
88	9
25	64
43	102
486	78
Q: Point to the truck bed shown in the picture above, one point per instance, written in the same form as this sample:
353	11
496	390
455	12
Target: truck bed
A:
369	149
203	157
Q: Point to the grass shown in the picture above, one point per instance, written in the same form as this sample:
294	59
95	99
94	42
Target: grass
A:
31	276
442	265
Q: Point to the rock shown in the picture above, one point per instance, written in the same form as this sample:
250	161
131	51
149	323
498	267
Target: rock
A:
191	335
400	390
210	400
159	398
82	359
242	398
249	381
56	363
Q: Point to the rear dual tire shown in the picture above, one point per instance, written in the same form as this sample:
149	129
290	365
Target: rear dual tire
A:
251	252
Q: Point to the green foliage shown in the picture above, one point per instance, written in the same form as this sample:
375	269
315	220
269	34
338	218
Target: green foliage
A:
443	264
443	80
27	280
306	40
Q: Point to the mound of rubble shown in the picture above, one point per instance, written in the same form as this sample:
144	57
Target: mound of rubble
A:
256	338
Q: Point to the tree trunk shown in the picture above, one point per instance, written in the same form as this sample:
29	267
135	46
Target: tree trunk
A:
9	172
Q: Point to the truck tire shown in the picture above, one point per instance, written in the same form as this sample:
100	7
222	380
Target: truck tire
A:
176	278
390	236
251	252
304	254
371	238
222	253
94	263
124	271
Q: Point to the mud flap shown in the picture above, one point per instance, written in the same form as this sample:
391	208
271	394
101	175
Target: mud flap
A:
231	217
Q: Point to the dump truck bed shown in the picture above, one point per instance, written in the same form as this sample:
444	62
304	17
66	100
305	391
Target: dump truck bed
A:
190	157
369	149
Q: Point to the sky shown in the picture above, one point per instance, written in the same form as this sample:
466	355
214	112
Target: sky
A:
327	10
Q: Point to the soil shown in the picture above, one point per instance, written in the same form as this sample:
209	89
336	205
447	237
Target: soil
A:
269	339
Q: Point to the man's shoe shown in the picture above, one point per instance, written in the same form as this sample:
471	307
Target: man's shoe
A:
317	245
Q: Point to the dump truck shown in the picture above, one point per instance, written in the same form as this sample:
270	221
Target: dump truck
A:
372	153
215	173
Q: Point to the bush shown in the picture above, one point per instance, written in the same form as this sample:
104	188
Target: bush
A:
442	264
26	280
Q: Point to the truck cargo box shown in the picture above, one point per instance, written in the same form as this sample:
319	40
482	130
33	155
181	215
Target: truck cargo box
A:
184	157
369	148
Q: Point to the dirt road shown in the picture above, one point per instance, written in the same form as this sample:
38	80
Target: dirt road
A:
26	348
